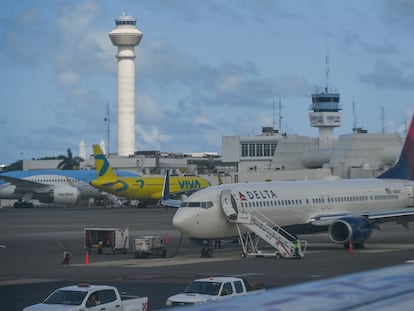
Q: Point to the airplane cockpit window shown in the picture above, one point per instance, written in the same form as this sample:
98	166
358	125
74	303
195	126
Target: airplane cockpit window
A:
206	205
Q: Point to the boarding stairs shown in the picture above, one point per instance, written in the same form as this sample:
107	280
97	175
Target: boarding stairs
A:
253	226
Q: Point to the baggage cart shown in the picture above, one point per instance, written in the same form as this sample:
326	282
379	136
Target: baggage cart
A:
150	245
110	240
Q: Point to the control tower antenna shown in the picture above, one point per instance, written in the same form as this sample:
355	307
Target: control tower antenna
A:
126	36
327	70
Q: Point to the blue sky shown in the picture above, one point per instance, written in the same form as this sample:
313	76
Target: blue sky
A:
204	69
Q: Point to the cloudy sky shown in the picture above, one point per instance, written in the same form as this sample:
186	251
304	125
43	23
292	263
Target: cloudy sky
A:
204	69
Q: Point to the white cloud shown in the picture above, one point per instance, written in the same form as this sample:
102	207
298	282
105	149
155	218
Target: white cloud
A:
68	78
148	109
150	138
389	76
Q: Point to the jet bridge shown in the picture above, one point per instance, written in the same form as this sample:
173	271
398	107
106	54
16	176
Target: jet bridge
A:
253	226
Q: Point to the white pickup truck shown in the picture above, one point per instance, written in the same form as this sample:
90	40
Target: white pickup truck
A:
90	298
211	289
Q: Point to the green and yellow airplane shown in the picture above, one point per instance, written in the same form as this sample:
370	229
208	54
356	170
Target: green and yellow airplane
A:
147	190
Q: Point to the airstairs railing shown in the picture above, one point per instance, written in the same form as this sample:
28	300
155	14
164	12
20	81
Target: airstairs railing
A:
260	226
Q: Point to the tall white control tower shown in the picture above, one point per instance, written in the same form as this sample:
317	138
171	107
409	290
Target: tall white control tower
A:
126	36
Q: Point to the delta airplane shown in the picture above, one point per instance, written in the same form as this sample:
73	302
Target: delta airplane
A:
146	189
347	209
64	187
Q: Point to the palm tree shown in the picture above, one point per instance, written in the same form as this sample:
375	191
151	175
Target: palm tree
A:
69	162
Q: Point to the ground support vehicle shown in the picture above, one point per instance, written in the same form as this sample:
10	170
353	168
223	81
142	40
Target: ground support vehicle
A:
109	239
151	245
211	289
91	298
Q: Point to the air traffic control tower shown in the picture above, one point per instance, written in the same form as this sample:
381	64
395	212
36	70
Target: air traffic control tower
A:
126	36
325	114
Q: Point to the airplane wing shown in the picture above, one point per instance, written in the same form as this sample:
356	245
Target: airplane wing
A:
401	215
23	185
383	289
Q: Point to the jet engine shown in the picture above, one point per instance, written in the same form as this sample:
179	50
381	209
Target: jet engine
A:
347	229
60	195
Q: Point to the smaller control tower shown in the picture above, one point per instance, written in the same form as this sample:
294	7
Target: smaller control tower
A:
325	113
126	36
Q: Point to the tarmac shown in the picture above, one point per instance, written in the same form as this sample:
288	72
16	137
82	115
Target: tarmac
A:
32	243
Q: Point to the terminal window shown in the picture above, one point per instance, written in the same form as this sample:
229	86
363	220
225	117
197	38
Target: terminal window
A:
252	150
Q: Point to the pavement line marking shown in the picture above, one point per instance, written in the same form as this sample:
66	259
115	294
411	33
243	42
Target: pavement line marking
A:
174	261
153	262
25	281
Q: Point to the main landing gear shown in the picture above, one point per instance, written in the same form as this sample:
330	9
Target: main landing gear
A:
207	250
23	204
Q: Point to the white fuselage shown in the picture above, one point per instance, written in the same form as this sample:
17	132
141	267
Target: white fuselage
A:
290	203
7	190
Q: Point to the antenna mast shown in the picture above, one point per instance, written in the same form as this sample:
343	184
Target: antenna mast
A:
280	115
327	70
108	128
354	129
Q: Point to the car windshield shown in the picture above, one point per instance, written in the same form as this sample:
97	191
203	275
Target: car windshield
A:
203	287
66	297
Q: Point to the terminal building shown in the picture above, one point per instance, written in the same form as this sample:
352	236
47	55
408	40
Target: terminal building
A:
272	155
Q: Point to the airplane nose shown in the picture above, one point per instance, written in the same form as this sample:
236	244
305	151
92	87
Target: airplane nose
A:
183	220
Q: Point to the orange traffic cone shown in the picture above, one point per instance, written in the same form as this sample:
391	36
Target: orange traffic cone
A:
351	247
87	258
166	239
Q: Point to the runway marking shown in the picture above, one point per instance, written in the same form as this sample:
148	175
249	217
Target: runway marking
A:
25	281
157	262
231	255
371	248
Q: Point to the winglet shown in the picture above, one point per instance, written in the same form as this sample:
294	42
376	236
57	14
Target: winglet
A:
103	168
166	200
404	168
